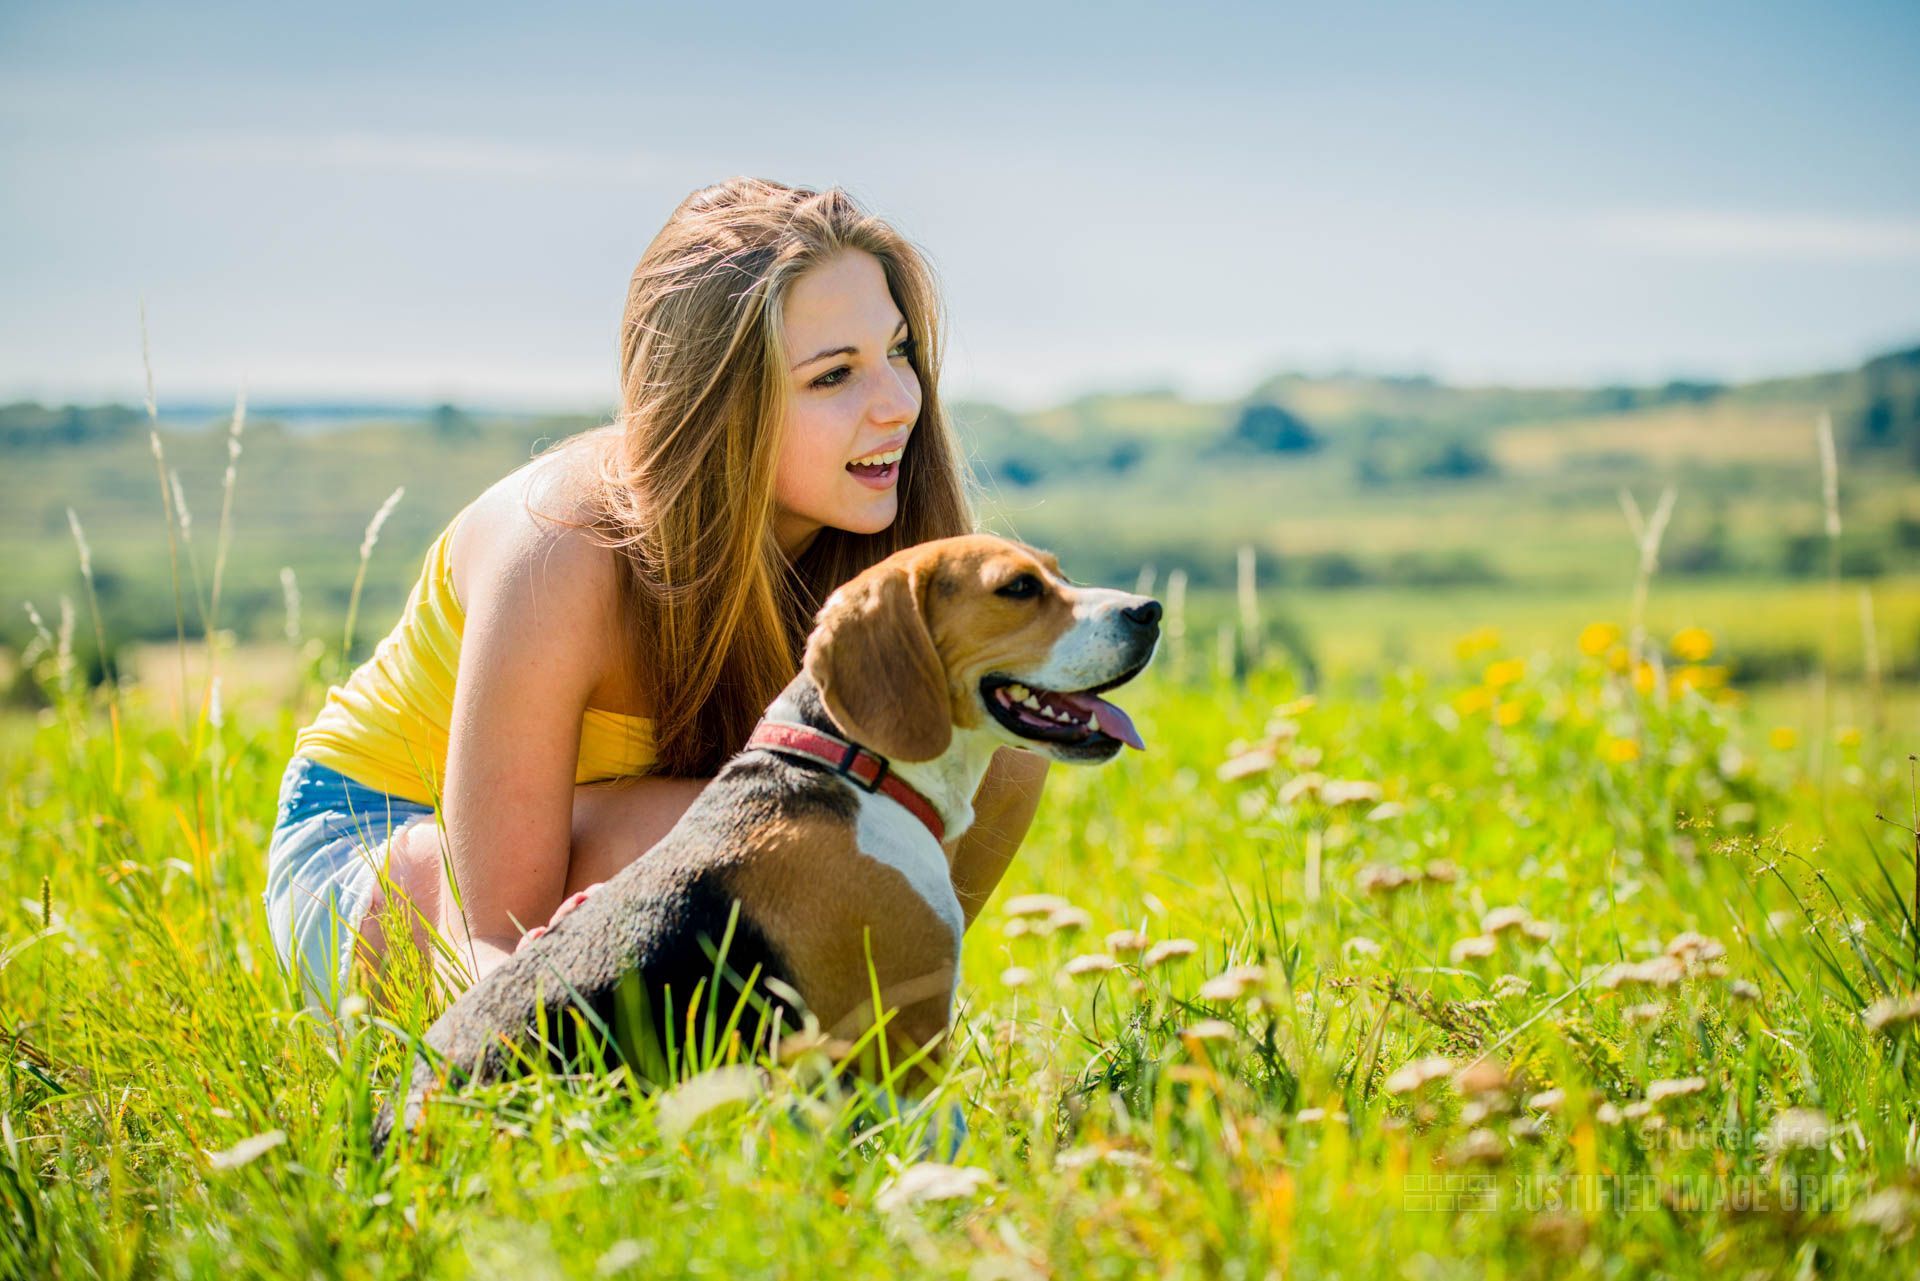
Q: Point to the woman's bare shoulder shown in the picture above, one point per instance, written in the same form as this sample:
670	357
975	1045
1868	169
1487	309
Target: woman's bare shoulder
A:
537	524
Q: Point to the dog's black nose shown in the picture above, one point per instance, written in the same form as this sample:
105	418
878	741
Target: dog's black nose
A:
1145	614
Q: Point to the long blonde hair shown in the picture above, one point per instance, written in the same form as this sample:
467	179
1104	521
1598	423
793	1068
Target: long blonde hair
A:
718	617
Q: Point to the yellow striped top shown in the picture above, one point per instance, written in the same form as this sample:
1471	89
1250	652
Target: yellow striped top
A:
387	726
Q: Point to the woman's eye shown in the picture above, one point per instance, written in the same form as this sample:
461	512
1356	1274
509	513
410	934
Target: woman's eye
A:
835	376
1020	588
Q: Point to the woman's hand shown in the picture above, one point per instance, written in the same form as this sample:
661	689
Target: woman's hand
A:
571	902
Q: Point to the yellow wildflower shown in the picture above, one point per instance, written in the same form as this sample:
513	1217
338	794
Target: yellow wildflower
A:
1620	750
1473	701
1597	638
1478	641
1505	672
1617	658
1693	645
1696	678
1508	714
1784	738
1848	736
1644	678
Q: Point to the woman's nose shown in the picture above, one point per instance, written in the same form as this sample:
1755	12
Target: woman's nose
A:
901	401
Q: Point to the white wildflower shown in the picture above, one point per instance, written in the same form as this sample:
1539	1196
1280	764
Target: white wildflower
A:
1260	760
1479	947
1210	1030
1691	946
1234	984
1349	791
247	1150
1893	1012
1661	1091
1090	963
1661	971
931	1181
1168	949
1300	786
1418	1073
1034	905
1069	920
1799	1128
1501	919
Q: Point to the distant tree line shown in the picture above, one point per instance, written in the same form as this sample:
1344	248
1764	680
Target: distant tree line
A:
28	425
1889	419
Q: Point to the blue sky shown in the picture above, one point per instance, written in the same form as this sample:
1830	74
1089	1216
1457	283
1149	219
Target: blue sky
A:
437	201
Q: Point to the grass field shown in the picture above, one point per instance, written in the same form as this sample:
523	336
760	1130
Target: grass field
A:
1432	936
1490	965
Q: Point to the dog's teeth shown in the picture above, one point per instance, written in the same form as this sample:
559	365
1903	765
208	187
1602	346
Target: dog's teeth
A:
1093	721
1017	693
1030	701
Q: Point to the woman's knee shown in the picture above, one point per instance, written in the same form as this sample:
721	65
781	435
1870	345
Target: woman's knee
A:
411	880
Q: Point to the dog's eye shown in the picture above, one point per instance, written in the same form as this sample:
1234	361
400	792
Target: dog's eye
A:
1020	588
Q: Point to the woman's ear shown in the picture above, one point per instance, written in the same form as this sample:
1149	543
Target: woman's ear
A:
873	659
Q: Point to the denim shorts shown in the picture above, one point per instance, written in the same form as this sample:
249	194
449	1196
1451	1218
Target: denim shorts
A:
323	864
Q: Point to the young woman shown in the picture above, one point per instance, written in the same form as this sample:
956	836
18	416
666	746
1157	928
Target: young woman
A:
594	635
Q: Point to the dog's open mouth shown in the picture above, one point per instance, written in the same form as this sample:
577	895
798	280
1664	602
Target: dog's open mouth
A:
1060	716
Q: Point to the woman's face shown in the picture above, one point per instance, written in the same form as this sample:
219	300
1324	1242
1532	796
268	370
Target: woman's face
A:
855	397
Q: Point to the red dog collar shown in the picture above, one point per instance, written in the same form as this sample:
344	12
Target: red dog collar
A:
864	769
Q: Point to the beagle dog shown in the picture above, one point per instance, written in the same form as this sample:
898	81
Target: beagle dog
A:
815	871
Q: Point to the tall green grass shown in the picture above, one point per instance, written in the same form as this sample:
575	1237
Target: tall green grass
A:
1386	999
1537	962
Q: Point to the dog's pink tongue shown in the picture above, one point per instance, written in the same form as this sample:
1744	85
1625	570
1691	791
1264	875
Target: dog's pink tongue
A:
1113	721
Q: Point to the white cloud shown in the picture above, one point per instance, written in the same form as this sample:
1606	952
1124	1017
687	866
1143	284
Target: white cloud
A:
432	154
1726	234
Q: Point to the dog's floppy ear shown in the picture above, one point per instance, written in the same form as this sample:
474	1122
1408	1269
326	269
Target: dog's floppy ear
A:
873	659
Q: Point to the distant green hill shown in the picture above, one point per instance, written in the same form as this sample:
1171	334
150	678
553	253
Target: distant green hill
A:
1339	482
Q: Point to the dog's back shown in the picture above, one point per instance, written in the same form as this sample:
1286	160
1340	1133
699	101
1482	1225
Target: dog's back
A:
630	960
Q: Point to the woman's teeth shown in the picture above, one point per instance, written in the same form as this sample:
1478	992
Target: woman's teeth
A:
880	459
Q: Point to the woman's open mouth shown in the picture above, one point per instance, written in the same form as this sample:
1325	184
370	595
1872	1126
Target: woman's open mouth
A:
878	470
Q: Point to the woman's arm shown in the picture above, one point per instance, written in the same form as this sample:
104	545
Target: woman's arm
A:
537	598
1003	808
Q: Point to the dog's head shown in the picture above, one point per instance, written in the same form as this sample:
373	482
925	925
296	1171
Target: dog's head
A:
979	633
